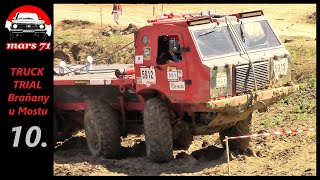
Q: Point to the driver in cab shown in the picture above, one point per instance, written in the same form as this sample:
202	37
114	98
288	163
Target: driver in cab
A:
169	51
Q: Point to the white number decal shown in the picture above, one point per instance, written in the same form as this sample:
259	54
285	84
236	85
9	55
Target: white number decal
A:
280	67
177	86
172	75
221	80
148	75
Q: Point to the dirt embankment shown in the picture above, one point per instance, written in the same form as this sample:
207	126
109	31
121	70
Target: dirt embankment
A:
312	18
99	45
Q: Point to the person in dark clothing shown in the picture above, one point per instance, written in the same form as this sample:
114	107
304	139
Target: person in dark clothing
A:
165	54
168	56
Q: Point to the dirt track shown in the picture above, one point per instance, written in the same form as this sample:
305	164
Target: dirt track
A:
284	155
293	154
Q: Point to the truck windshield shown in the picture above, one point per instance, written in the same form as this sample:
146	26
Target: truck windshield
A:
218	41
27	16
257	35
214	42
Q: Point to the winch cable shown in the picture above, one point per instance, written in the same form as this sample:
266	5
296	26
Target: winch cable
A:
112	70
237	37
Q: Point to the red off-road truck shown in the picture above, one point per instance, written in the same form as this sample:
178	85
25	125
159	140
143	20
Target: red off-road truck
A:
224	67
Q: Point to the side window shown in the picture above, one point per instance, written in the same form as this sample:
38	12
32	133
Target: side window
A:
168	49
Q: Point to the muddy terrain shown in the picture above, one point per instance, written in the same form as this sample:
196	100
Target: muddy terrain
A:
284	155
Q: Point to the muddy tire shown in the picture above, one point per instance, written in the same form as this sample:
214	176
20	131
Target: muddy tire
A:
182	136
55	129
101	124
241	128
158	131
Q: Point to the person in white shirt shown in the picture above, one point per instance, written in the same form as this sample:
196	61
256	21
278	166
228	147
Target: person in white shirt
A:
89	64
62	66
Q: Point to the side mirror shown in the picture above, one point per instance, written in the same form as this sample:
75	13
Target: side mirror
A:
185	49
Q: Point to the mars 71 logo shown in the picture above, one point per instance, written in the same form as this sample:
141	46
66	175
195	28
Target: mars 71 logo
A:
28	27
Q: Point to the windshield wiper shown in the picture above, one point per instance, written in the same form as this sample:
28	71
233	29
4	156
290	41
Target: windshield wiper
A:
207	32
241	33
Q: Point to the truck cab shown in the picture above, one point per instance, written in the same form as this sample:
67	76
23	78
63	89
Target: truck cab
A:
221	56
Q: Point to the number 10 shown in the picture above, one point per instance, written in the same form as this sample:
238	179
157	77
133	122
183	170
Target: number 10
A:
28	136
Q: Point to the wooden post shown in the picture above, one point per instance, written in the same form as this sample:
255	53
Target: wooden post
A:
227	151
161	9
100	20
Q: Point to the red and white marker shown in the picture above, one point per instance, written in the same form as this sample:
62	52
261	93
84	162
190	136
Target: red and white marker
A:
272	133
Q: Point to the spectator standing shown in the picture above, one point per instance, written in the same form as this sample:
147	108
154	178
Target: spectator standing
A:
116	11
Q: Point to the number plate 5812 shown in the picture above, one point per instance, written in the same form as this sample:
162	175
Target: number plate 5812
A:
148	75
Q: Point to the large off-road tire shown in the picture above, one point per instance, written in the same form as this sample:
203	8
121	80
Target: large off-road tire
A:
101	124
182	136
55	129
241	128
158	131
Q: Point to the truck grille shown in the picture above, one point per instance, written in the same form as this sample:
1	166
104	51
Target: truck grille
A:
244	76
28	26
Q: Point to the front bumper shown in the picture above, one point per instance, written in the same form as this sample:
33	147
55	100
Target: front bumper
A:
261	100
27	31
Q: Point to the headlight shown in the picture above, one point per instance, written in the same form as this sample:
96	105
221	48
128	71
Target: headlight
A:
15	26
41	26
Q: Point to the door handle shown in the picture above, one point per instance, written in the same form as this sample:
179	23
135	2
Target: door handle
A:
159	68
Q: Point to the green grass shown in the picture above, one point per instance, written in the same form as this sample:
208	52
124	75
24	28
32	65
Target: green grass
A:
274	121
299	109
91	41
303	60
302	51
77	36
303	101
302	116
67	36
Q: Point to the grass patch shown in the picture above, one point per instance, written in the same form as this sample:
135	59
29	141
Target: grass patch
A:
72	23
274	121
90	41
302	116
303	101
303	60
299	109
68	36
